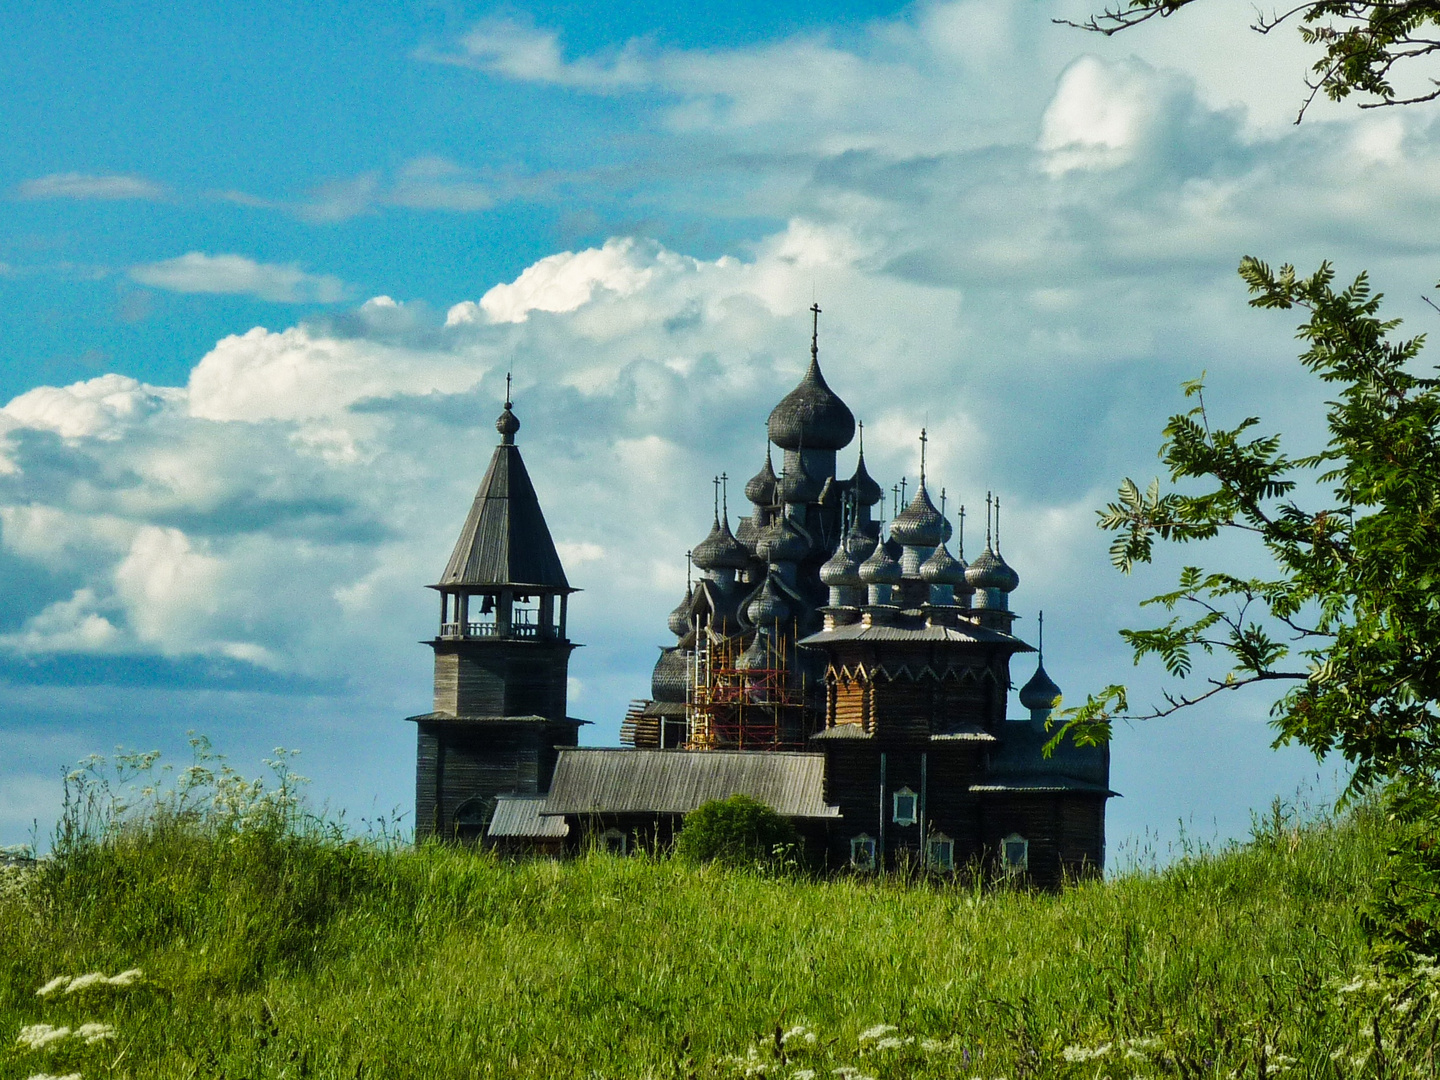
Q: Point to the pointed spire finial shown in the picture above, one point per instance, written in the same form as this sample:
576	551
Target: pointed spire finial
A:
725	496
904	484
862	440
716	482
689	567
508	402
815	335
1042	639
894	500
942	502
997	524
962	531
989	500
924	438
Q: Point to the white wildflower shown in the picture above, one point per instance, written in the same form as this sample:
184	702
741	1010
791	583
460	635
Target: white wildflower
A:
47	1076
57	983
798	1032
94	1032
849	1072
38	1036
879	1031
84	982
931	1046
893	1042
803	1074
1084	1053
125	978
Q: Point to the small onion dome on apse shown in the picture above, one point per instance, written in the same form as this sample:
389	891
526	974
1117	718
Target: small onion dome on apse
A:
1040	693
942	568
812	415
768	606
760	489
842	569
781	542
679	620
880	568
866	491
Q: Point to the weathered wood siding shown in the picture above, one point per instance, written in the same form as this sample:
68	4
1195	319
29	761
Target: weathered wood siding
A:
501	678
456	763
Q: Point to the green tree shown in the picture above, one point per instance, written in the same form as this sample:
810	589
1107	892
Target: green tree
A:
738	831
1361	42
1349	619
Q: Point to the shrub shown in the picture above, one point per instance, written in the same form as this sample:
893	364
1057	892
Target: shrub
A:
738	831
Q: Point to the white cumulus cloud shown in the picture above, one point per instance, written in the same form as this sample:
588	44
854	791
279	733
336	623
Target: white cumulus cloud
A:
196	272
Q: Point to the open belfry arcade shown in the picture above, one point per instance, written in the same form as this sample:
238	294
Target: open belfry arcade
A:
851	673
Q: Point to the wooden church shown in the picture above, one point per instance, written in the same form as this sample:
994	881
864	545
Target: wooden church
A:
851	673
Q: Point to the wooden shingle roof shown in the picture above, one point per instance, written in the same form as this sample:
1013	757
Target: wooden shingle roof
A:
677	781
505	540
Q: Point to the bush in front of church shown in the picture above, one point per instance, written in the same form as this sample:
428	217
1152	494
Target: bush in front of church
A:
738	831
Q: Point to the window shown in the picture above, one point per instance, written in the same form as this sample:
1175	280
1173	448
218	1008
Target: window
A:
614	841
906	805
862	852
1016	850
940	853
472	816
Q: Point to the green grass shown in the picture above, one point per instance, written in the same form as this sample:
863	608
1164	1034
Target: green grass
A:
271	952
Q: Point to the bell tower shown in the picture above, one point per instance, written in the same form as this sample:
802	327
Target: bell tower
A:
502	657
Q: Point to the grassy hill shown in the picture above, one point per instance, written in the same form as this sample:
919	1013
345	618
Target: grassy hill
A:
285	950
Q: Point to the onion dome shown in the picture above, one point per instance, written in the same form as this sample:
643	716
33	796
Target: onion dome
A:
989	571
797	485
841	569
781	541
1040	692
669	680
881	568
760	489
720	550
768	606
812	414
866	491
942	568
756	655
507	425
679	620
858	545
920	524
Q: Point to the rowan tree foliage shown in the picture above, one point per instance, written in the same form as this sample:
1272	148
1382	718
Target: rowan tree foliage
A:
1350	618
1362	42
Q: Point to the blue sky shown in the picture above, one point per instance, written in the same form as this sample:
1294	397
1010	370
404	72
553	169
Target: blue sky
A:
266	268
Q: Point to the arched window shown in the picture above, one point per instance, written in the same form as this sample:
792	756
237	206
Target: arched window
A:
940	852
862	852
472	816
906	806
614	841
1016	852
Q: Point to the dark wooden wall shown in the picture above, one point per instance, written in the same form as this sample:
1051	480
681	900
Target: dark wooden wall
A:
501	678
459	762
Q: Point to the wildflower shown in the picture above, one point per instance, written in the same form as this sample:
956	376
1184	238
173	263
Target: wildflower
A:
849	1072
94	978
803	1074
879	1031
47	1076
800	1032
891	1042
94	1032
39	1036
54	984
1083	1053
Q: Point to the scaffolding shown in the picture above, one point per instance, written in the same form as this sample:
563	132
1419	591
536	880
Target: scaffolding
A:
754	708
